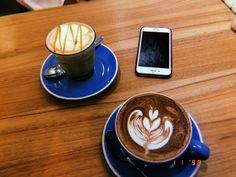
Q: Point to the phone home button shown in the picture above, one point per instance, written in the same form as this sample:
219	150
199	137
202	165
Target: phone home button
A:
153	71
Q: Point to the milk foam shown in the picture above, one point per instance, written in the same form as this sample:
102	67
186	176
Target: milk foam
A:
70	38
150	132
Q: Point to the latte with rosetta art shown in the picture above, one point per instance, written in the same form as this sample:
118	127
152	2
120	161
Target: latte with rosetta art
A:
153	127
70	38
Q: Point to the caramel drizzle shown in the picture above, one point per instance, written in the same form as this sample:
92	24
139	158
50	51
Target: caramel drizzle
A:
72	34
58	33
76	37
81	40
62	46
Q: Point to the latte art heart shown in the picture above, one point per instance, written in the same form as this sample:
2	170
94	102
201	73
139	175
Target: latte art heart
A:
153	127
151	132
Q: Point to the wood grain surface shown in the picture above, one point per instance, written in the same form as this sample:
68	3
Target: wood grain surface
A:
44	136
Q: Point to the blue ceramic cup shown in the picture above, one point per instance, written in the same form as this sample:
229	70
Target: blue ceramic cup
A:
161	119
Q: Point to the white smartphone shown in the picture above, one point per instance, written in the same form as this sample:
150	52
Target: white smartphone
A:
154	57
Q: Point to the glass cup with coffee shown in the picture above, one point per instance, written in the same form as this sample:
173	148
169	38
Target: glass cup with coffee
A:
73	47
154	129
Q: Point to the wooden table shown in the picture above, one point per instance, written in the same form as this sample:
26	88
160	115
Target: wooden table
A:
44	136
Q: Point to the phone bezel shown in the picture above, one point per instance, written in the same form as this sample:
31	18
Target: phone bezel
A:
154	71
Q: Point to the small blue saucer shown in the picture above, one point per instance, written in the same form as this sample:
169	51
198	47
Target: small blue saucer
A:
123	168
105	71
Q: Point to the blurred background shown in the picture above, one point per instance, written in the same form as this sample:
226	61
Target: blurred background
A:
8	7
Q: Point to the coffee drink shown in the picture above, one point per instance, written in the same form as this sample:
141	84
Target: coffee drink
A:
70	38
73	47
153	127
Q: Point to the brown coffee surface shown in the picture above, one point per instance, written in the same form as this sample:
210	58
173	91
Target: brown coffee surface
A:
153	127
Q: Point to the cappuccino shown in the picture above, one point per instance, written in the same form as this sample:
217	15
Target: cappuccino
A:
70	38
153	127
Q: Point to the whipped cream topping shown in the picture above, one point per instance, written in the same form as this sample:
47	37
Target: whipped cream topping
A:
150	132
70	38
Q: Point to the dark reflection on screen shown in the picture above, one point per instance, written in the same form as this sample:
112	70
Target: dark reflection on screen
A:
154	50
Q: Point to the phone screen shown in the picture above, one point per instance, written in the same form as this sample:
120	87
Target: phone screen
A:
154	50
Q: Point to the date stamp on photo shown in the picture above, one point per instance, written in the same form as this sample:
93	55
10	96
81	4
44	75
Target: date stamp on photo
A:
183	162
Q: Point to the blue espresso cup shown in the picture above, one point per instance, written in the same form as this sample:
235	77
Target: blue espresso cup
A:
194	149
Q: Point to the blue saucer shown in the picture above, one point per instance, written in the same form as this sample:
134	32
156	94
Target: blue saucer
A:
125	169
105	71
